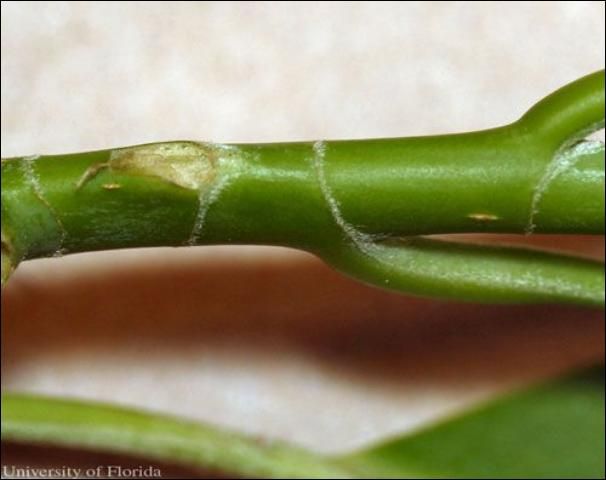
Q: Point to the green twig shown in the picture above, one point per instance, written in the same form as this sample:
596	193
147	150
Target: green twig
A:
347	201
361	206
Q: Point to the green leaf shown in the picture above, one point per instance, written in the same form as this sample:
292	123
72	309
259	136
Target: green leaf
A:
554	431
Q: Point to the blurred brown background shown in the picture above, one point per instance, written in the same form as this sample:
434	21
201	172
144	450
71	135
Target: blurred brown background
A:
270	341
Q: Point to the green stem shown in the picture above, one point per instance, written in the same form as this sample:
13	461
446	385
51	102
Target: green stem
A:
67	423
476	272
343	200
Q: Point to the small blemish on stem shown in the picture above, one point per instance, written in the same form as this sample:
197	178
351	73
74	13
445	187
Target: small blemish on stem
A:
483	217
90	173
184	164
7	264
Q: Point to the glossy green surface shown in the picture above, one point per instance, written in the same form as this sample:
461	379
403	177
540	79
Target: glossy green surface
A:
478	273
347	201
360	205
